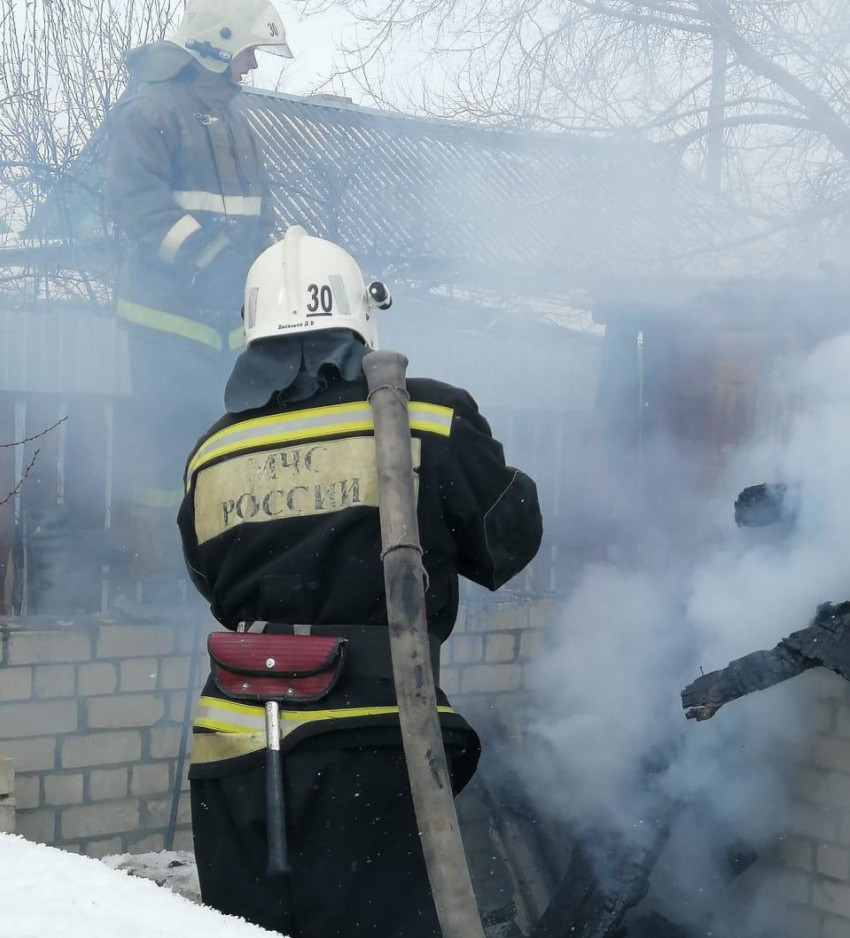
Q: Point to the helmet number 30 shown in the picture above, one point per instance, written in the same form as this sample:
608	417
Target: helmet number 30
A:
273	30
320	296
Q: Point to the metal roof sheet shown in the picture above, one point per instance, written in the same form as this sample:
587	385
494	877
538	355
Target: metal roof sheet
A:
445	200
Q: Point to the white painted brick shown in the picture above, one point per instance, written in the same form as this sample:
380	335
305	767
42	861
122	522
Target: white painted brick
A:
491	678
104	848
28	792
544	614
97	678
108	784
152	843
165	742
54	680
124	711
449	680
183	840
500	648
134	641
38	826
151	779
15	683
7	775
158	812
798	854
19	720
466	649
63	789
139	674
49	647
833	861
30	755
814	822
831	897
7	816
174	672
96	820
101	749
495	617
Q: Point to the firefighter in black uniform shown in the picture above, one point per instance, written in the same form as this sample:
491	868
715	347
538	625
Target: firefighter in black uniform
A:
280	528
188	189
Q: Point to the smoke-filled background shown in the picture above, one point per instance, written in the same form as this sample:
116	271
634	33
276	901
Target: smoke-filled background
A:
613	747
613	202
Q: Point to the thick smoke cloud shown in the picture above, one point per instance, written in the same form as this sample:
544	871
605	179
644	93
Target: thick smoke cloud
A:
632	634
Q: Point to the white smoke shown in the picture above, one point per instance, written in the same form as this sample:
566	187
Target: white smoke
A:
632	636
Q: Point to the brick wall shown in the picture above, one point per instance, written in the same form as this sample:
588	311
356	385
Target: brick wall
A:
816	847
484	670
7	796
485	673
91	714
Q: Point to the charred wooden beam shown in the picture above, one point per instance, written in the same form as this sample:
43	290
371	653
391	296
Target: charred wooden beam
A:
824	643
766	504
586	905
656	926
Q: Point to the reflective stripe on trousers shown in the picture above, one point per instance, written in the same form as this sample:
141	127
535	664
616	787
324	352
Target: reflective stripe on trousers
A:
239	728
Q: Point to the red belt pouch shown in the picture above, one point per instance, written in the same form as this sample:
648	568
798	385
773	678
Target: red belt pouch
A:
275	669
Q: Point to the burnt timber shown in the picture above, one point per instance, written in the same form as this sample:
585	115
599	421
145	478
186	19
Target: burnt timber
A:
824	643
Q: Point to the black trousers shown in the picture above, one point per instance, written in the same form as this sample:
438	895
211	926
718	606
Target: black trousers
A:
357	864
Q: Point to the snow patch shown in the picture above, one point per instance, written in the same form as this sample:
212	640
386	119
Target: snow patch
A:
44	891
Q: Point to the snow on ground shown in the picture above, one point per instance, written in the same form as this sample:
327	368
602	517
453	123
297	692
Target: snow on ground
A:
174	869
46	893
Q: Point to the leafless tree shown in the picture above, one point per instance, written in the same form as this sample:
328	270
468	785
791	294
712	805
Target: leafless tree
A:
752	93
61	69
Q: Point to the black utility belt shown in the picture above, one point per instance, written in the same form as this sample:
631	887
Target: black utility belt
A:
367	653
300	665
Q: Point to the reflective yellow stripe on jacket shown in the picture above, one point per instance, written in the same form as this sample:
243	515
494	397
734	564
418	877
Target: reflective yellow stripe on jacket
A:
239	729
169	322
310	424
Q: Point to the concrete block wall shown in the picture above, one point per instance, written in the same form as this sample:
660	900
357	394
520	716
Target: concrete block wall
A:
91	714
7	796
816	846
485	672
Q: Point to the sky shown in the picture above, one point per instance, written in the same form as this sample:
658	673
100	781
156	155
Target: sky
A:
313	40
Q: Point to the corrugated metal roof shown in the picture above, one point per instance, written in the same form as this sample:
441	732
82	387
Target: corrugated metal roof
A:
444	200
62	353
445	196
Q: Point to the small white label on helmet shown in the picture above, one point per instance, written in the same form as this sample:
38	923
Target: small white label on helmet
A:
253	299
341	297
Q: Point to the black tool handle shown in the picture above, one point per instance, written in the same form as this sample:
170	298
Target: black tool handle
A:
278	861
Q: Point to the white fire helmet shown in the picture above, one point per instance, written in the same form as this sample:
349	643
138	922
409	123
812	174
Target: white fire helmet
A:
215	31
303	285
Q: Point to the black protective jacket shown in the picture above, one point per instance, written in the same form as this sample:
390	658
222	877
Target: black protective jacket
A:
188	188
280	520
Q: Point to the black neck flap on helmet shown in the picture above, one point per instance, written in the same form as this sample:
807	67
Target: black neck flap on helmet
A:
292	367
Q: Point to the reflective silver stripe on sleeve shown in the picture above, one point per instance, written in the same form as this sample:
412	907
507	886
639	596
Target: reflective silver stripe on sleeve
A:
182	229
212	250
310	424
195	200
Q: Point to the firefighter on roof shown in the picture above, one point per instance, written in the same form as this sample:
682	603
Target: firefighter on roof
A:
188	190
280	528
